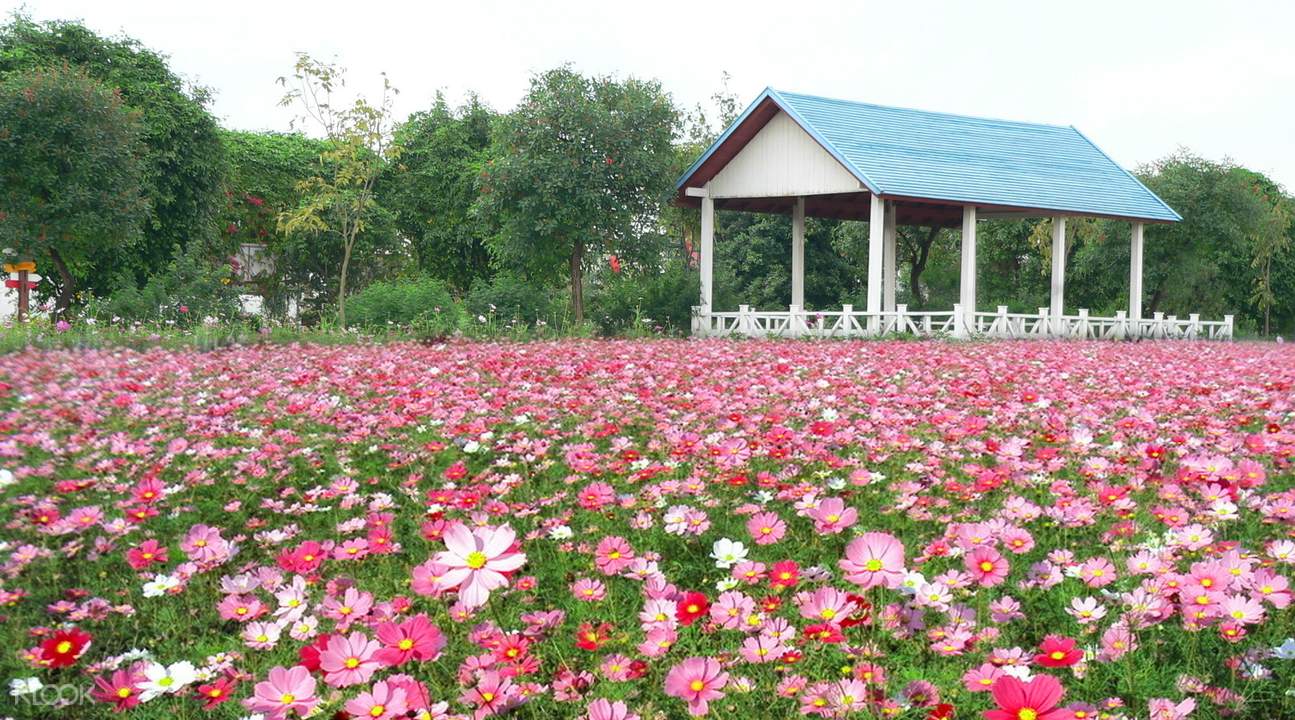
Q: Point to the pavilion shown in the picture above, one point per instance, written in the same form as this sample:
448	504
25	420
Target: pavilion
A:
818	157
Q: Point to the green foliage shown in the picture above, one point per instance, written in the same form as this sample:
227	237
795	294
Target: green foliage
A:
507	299
656	302
431	190
183	157
583	166
191	289
71	180
423	304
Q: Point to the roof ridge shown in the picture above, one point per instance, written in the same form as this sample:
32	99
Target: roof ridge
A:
940	113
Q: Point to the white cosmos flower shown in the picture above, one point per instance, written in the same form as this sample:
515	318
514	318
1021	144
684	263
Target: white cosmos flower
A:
6	478
728	583
158	586
561	532
727	553
162	679
471	446
1285	651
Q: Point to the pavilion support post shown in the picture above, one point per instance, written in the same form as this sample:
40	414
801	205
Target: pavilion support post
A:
707	253
1058	304
888	259
876	232
1135	281
967	279
798	253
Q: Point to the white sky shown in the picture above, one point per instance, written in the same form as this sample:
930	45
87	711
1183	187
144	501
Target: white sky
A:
1140	78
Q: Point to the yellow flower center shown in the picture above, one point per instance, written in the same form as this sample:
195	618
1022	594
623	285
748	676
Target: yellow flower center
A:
1027	714
406	644
287	698
63	647
696	685
986	566
872	565
123	692
377	711
487	696
352	662
477	559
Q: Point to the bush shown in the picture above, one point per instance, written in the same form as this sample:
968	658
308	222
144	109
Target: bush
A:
506	299
422	304
191	289
647	303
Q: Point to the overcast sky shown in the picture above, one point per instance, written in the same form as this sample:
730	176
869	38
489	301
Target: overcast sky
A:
1139	78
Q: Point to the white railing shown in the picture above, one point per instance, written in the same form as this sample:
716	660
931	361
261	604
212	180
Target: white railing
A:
848	322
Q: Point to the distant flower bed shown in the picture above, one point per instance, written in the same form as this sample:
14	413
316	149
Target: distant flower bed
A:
650	529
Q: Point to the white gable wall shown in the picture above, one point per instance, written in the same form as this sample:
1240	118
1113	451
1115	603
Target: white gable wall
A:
782	160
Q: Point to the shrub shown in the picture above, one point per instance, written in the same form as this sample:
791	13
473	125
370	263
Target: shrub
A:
192	288
659	303
423	305
505	299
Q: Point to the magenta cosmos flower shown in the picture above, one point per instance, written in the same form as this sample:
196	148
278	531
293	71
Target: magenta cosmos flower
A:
696	680
478	560
284	691
874	559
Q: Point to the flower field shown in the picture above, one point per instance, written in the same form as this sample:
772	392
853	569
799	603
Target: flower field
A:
651	529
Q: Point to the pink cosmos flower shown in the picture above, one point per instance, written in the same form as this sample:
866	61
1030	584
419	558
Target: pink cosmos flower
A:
874	559
588	590
1097	572
697	680
603	709
414	639
986	566
285	690
349	659
613	555
831	516
766	528
981	679
478	560
383	702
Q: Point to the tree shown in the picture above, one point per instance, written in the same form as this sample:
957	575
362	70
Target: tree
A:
71	175
1271	238
431	190
339	200
183	158
583	167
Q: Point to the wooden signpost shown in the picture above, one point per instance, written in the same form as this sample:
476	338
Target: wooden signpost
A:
23	278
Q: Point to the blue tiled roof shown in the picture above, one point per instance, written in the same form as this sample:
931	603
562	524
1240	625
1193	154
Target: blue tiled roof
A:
920	154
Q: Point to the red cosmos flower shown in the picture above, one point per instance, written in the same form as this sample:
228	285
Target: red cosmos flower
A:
1058	651
591	637
614	261
784	574
829	633
309	654
862	614
690	607
943	711
145	554
1035	700
217	691
64	647
457	471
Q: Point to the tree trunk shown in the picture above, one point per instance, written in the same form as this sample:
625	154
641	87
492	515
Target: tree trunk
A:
918	265
341	284
577	277
67	285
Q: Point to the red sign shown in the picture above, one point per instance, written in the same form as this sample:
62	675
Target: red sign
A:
16	284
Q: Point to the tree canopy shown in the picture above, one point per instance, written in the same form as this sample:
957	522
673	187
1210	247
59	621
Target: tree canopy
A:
72	189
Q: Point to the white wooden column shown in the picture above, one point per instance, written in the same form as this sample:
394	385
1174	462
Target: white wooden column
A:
967	277
1135	280
798	253
1058	304
876	231
888	259
707	250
